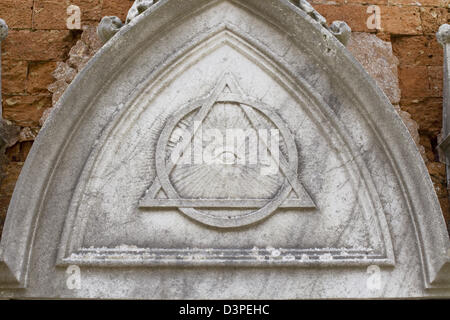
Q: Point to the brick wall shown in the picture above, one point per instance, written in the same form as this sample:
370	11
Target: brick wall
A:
410	25
38	39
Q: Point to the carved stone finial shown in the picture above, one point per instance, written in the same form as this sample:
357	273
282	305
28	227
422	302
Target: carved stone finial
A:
443	35
3	29
137	8
341	31
108	27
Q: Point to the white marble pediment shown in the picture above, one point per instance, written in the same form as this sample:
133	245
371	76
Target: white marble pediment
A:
350	193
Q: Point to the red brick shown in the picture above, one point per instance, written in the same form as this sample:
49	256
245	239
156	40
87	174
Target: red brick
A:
401	20
435	76
428	3
49	14
384	36
346	2
425	141
355	15
37	45
368	2
427	112
91	10
19	152
117	8
438	176
40	77
331	2
52	14
25	111
10	173
14	75
17	13
414	81
418	50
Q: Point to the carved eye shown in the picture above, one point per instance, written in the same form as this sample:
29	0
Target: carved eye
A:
227	157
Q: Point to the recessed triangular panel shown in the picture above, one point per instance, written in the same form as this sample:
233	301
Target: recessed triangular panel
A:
227	91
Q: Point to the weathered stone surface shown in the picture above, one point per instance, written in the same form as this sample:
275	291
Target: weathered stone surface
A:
40	77
433	18
427	112
354	15
117	8
79	55
8	181
57	89
3	30
413	128
401	20
28	134
9	135
65	72
436	78
438	176
341	31
91	39
443	34
18	14
14	76
411	49
25	110
414	81
53	14
433	3
377	58
419	50
119	207
50	14
40	45
138	7
108	27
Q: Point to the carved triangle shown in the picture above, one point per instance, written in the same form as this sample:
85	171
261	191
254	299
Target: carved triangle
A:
228	85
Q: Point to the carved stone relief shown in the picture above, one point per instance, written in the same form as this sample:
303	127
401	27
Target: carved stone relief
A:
138	185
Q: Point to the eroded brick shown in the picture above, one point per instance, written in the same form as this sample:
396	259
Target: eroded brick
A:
41	45
40	76
117	8
432	19
401	20
418	50
414	81
427	112
355	15
25	111
14	76
17	13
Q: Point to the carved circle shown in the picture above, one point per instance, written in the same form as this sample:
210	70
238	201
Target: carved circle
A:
237	220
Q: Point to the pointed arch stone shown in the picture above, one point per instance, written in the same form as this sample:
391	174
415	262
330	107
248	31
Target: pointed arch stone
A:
77	199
